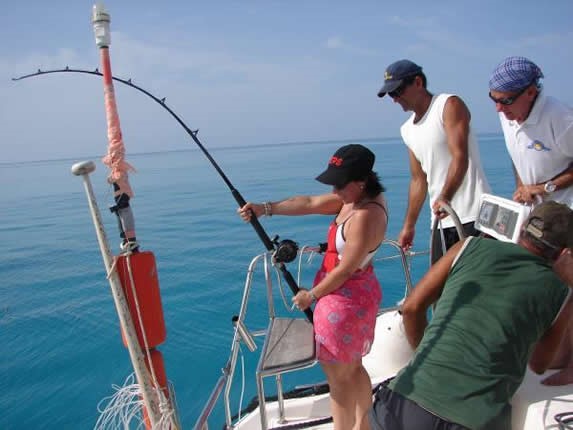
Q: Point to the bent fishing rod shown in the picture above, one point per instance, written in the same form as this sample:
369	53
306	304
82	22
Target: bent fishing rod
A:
282	251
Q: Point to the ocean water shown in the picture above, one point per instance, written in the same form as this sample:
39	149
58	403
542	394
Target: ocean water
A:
60	345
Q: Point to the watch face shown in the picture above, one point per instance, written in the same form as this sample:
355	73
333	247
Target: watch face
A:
549	187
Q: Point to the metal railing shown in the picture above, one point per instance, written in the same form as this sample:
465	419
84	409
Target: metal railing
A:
242	334
437	227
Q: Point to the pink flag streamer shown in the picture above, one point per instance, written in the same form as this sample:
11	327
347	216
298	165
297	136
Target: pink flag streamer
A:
115	158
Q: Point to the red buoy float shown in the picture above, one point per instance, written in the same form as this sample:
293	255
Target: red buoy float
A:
139	281
147	297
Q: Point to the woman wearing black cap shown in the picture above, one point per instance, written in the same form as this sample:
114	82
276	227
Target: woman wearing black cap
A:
346	290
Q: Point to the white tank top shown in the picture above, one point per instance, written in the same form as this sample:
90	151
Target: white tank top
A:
427	140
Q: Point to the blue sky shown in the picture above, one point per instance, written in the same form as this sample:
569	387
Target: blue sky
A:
258	72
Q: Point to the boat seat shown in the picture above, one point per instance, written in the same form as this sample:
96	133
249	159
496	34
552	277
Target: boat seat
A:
289	345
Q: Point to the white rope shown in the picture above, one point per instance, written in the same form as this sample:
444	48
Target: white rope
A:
242	383
112	268
140	319
281	291
124	409
300	258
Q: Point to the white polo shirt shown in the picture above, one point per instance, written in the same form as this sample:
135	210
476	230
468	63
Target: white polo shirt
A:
542	146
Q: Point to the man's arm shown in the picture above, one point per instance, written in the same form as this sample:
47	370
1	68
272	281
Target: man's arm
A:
528	193
457	128
426	292
416	197
548	346
564	179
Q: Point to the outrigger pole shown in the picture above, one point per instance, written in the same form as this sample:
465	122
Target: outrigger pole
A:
139	287
263	236
150	398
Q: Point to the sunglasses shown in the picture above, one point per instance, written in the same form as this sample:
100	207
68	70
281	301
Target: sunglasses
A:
400	90
508	101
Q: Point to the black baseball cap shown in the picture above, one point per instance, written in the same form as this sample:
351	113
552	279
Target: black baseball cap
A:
396	73
349	163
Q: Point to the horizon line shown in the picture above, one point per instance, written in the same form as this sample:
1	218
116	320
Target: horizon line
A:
226	147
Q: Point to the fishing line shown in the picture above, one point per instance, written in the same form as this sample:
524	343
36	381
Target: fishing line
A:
124	409
271	245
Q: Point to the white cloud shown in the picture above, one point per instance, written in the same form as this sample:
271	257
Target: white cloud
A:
334	42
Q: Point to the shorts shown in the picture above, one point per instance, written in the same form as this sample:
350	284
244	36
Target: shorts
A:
392	411
450	238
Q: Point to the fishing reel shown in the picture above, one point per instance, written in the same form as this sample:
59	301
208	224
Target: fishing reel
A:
285	250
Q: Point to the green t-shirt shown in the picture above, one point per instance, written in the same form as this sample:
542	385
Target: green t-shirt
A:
497	302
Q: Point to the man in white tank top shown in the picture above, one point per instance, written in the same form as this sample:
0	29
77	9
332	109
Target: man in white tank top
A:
443	153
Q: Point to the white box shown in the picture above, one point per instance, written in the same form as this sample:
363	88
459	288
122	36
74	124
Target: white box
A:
501	218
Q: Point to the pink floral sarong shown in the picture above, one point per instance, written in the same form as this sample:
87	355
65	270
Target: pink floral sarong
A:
344	320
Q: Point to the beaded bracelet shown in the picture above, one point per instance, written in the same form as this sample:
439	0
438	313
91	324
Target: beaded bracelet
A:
268	208
312	296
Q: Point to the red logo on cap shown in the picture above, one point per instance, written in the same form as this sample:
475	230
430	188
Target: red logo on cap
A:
337	161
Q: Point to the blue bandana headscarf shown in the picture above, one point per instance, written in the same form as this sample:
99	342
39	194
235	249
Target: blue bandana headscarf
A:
514	74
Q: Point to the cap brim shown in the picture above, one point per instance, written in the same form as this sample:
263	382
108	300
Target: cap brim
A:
336	178
388	87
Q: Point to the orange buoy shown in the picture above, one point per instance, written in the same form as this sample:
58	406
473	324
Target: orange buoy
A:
146	285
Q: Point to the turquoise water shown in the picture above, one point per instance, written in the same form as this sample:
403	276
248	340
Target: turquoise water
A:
60	347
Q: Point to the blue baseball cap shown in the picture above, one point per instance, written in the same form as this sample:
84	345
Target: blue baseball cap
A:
395	74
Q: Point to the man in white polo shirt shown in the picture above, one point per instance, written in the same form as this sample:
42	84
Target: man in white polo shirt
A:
538	132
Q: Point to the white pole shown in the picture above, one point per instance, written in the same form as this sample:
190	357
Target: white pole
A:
150	398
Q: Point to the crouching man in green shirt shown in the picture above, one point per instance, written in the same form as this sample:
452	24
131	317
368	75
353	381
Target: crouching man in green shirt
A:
501	306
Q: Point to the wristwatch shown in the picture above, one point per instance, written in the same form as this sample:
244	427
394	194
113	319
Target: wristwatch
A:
549	187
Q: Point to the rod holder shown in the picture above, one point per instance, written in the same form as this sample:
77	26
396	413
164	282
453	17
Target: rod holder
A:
244	334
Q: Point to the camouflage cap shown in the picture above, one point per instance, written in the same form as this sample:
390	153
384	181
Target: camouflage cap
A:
552	224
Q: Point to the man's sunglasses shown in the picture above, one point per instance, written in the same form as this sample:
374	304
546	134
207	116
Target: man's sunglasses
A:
507	101
400	90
